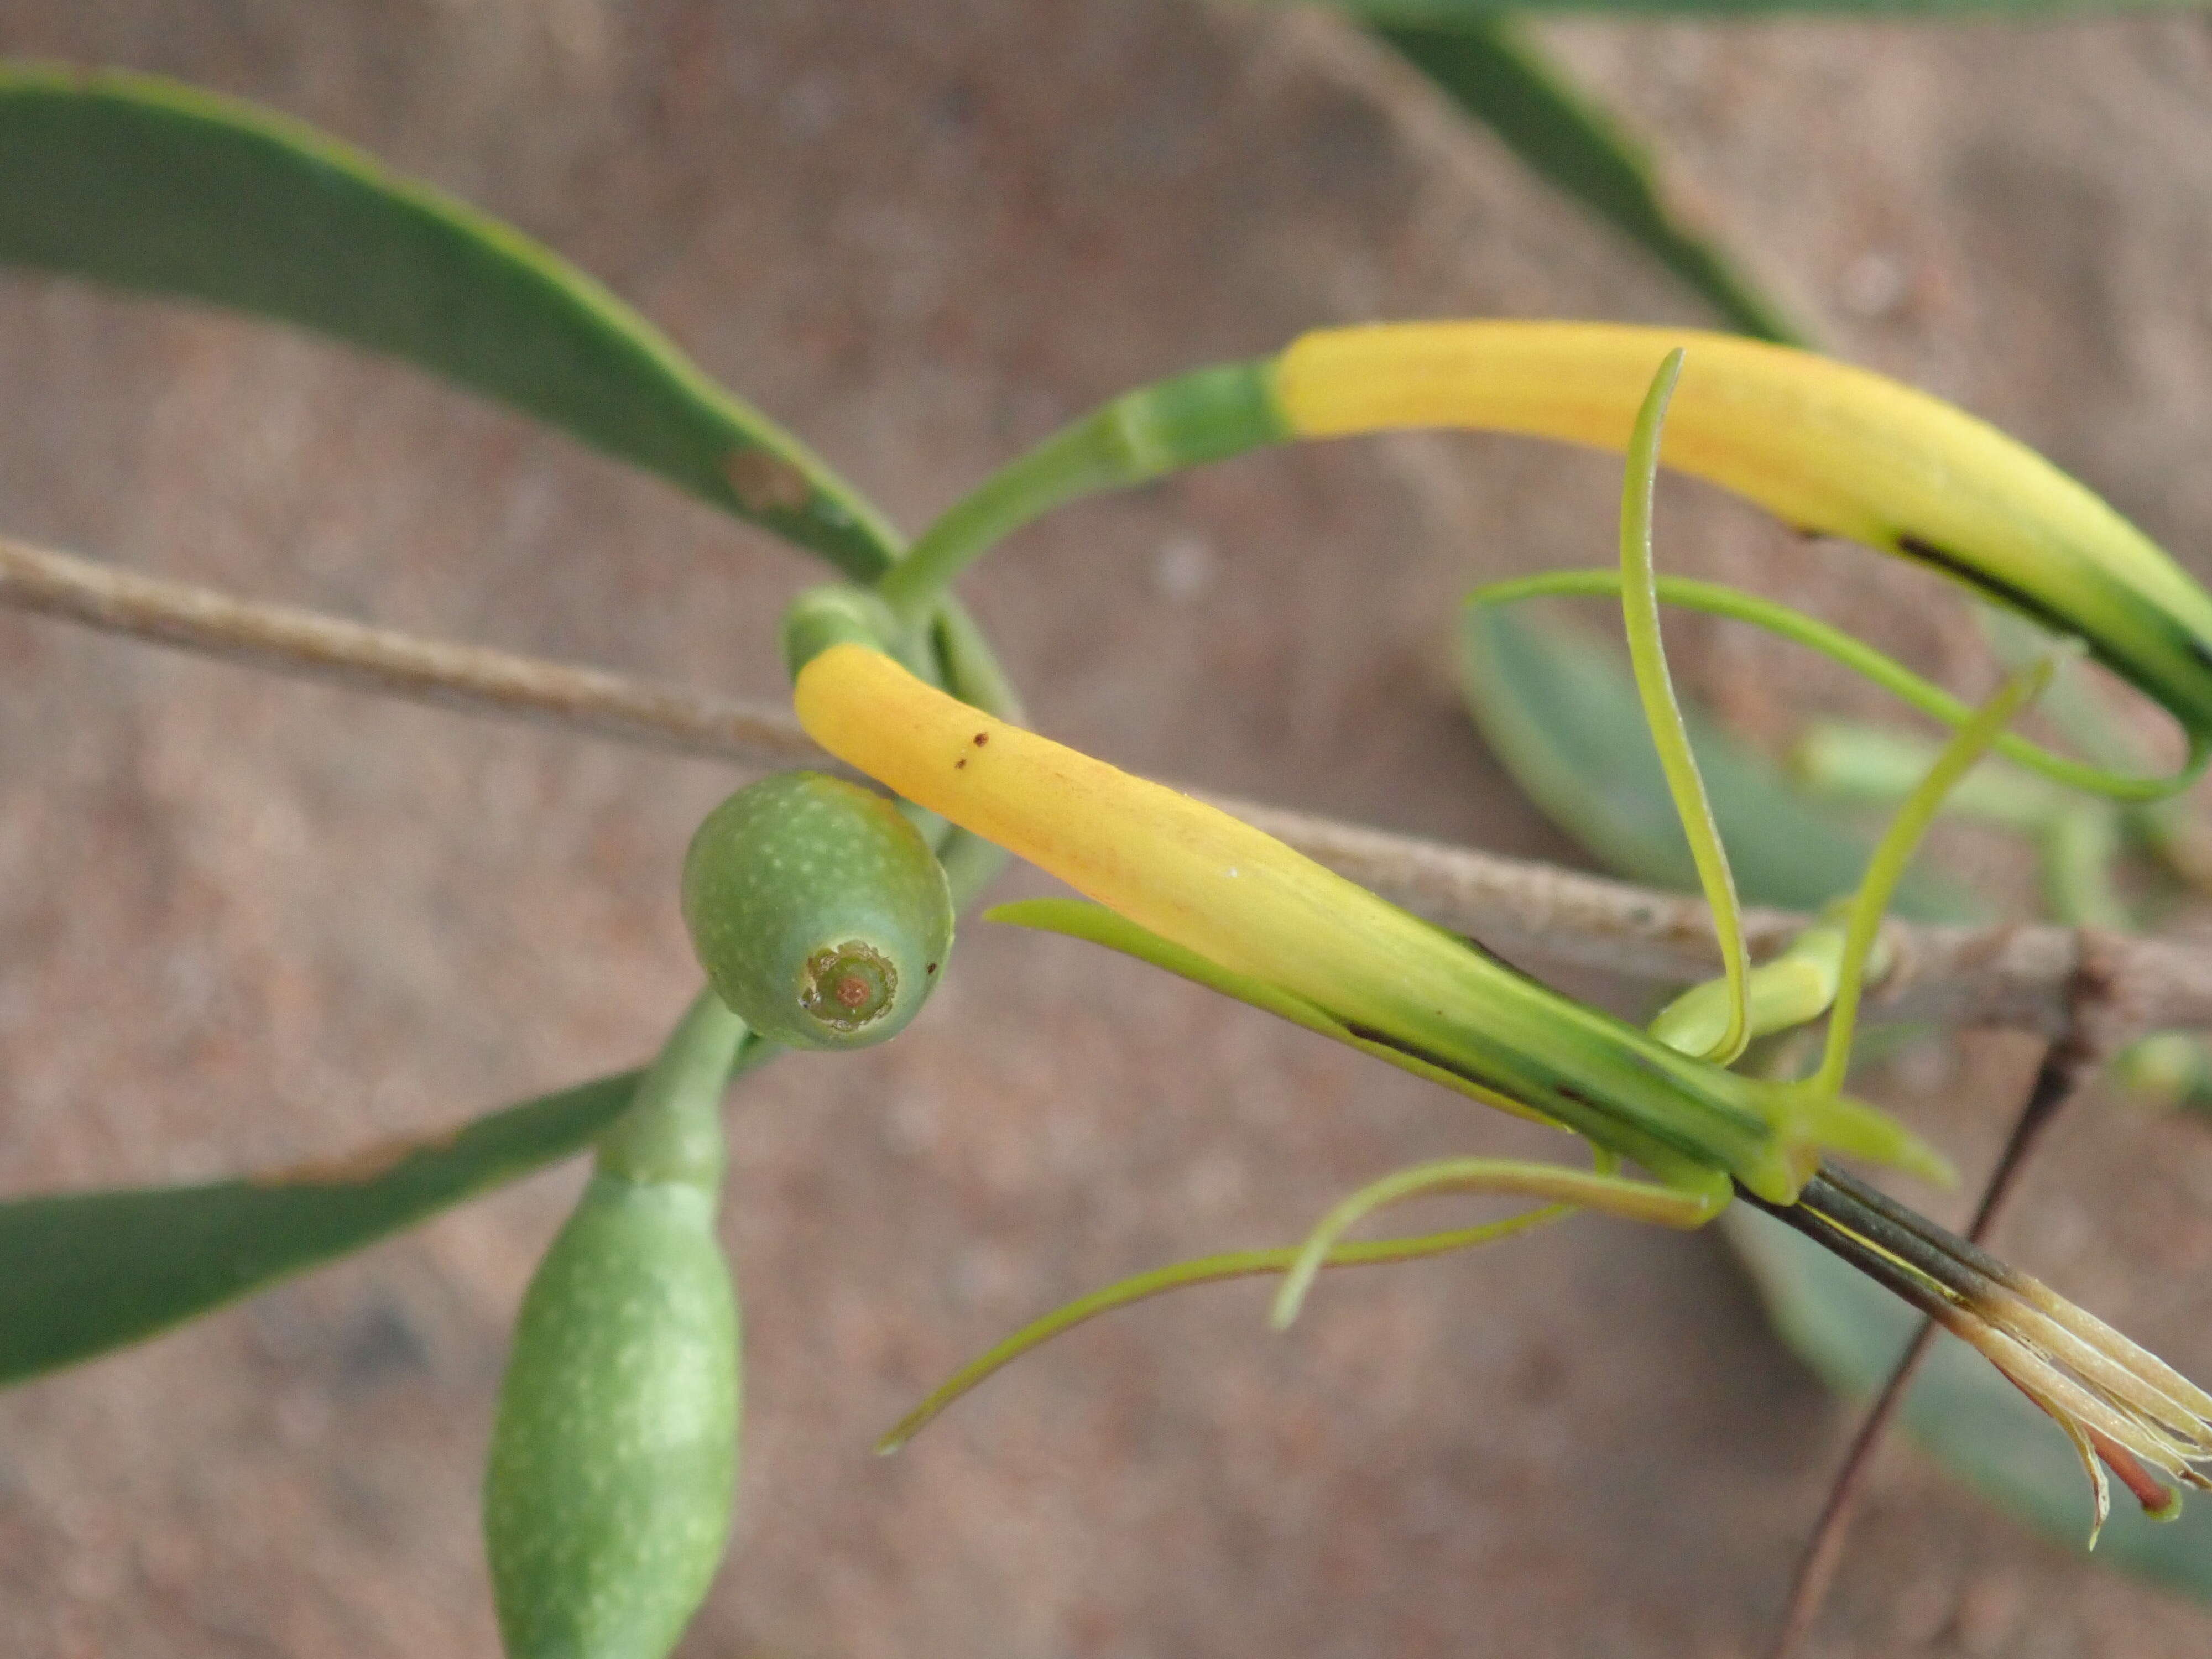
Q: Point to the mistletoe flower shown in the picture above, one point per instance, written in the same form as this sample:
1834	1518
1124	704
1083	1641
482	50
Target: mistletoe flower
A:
1188	874
1187	885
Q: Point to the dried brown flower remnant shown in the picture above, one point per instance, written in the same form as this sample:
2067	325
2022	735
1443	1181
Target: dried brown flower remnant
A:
2125	1409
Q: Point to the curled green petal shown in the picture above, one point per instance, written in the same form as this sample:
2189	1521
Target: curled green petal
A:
1794	989
1633	1201
1842	1124
1655	686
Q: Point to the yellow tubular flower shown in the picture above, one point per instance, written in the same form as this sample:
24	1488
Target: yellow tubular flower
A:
1825	446
1214	885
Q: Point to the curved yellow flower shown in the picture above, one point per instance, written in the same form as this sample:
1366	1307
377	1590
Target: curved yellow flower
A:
1828	448
1822	445
1225	891
1216	886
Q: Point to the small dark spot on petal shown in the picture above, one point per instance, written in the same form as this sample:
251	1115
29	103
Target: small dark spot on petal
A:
962	761
982	738
930	969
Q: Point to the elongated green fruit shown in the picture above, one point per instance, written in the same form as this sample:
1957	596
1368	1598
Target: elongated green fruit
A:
614	1458
819	913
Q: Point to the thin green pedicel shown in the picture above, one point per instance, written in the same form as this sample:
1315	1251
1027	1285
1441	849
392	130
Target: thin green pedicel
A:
1207	416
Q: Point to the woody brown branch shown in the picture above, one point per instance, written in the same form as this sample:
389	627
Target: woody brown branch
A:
2097	991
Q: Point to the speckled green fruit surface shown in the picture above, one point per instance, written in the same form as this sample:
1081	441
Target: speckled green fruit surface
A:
819	913
615	1457
614	1460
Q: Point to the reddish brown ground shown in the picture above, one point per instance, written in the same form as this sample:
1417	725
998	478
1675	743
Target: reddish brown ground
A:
246	922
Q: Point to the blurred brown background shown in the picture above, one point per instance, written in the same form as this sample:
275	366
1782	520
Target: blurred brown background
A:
244	921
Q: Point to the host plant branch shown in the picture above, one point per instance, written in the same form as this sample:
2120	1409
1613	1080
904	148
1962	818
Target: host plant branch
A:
2098	991
314	645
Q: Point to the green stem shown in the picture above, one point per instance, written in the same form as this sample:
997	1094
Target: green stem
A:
972	674
673	1131
972	671
1207	416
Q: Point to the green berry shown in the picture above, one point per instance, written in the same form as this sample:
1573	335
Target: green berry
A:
821	915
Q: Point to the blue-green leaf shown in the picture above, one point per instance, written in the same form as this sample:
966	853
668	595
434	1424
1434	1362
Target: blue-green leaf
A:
84	1272
1496	74
1560	711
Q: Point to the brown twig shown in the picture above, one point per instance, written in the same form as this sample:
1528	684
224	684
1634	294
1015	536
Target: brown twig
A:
2097	991
2060	1073
317	647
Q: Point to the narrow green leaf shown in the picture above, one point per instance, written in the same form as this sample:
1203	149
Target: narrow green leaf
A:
84	1272
1560	711
147	185
1970	1420
1481	61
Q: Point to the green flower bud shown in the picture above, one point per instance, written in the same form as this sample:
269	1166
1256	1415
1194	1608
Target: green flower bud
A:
819	913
